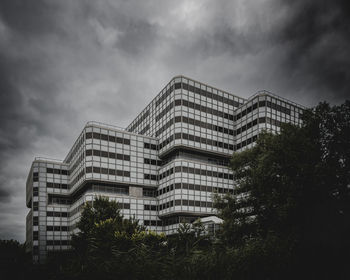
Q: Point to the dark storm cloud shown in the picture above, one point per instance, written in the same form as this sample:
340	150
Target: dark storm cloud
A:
26	83
4	195
28	18
318	33
63	63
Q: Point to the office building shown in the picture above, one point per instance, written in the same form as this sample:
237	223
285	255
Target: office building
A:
164	168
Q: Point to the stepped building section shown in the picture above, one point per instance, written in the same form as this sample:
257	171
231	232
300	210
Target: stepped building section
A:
164	168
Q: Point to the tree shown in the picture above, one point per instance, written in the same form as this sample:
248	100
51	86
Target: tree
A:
14	261
293	196
98	225
189	251
109	246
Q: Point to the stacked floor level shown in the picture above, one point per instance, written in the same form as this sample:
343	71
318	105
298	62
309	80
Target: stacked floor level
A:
163	169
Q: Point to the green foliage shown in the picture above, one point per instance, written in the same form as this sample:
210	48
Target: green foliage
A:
103	236
14	261
111	247
293	199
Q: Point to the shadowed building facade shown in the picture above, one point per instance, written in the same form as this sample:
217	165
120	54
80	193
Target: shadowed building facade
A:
164	168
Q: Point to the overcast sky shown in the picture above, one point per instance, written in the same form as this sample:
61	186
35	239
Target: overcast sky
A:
63	63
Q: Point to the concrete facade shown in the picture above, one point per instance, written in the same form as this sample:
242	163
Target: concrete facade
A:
164	168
